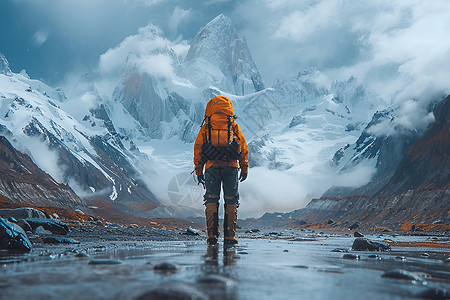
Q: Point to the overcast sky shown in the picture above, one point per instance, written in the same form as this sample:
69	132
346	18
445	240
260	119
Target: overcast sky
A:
390	43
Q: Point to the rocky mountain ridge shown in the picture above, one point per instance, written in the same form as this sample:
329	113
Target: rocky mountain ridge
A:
416	194
21	181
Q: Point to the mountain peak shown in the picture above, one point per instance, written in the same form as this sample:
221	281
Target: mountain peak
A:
220	57
219	31
220	21
4	66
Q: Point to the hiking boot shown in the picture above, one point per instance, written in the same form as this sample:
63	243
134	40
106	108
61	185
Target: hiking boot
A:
229	224
212	222
212	241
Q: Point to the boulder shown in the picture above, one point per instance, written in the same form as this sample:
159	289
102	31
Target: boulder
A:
364	244
351	256
12	237
358	234
340	250
24	225
165	267
22	213
354	226
53	225
41	231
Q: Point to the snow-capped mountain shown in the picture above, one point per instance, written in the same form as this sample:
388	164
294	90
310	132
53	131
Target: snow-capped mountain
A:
88	155
219	57
382	145
305	120
167	105
92	140
295	125
414	197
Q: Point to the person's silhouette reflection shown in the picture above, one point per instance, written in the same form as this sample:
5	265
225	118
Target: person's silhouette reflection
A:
211	258
229	256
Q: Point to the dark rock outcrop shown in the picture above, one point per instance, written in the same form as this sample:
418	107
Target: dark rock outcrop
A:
354	226
53	225
24	225
363	244
12	237
23	213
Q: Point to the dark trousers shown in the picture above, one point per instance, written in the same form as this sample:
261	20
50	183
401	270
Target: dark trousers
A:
225	177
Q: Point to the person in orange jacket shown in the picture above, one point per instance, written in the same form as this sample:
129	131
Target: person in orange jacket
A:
217	135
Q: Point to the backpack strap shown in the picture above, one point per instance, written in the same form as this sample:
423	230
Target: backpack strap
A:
229	129
203	122
208	139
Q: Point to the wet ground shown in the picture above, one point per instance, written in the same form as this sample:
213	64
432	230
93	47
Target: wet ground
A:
290	265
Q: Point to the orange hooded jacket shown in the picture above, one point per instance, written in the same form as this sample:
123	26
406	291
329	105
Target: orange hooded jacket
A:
222	105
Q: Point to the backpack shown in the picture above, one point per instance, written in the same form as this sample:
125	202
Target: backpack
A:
220	138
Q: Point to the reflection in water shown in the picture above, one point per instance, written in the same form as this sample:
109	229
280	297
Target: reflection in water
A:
212	255
211	258
256	269
229	256
217	280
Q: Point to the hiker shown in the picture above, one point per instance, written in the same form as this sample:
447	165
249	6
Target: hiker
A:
219	146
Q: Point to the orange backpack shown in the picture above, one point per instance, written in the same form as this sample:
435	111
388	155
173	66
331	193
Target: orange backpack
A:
220	140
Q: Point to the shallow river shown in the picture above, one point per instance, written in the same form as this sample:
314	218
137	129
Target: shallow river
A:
256	269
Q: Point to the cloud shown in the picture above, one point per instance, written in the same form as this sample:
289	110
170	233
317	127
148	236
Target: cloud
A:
159	65
271	191
277	191
402	52
147	50
46	158
149	2
412	115
179	16
299	24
